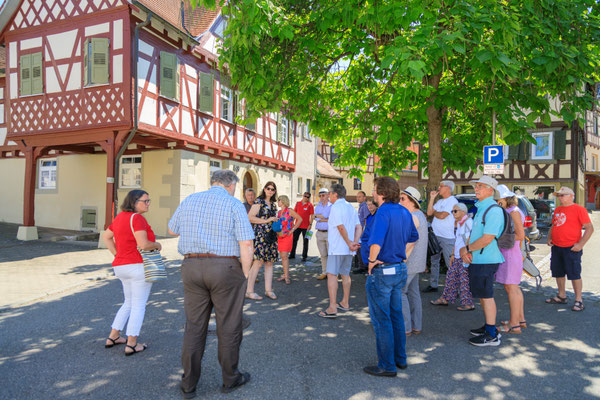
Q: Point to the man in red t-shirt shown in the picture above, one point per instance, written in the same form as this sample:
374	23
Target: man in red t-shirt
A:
306	210
567	244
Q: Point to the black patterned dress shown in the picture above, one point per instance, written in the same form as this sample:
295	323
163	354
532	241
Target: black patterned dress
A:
262	250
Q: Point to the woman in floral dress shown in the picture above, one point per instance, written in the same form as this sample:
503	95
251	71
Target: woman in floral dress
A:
262	214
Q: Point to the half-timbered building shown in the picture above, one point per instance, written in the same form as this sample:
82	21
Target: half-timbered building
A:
592	158
103	96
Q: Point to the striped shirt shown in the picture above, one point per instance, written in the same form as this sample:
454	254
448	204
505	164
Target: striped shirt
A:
211	222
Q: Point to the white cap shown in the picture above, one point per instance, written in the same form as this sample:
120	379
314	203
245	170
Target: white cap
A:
323	190
565	190
486	180
504	192
450	184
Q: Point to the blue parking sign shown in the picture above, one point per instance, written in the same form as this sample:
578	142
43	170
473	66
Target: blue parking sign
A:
493	154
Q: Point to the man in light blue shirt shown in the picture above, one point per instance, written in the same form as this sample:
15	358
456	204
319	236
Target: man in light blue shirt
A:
484	257
322	210
214	231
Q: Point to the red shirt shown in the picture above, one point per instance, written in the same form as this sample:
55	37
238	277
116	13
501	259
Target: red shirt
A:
305	211
127	252
567	223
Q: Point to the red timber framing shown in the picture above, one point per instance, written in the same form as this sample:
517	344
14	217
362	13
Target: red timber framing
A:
179	122
74	119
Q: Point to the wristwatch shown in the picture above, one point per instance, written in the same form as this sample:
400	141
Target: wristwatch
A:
468	250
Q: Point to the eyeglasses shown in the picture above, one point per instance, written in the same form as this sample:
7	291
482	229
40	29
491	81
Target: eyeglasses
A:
308	197
270	188
145	201
455	211
562	195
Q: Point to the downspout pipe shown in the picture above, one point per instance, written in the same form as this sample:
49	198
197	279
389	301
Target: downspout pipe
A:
135	107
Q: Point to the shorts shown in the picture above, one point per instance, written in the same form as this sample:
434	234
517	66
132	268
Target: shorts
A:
339	264
565	262
481	280
285	243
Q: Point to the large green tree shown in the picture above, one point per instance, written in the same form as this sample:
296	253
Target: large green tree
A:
385	72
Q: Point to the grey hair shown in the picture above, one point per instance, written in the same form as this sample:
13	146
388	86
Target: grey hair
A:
450	184
225	177
338	189
462	207
250	190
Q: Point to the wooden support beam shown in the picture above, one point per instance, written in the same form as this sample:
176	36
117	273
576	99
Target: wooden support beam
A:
109	148
31	156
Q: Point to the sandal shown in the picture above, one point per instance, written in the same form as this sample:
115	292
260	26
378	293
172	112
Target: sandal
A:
340	307
114	342
523	324
408	333
465	308
510	329
556	300
416	332
253	296
271	295
134	349
439	302
288	281
578	306
281	278
325	314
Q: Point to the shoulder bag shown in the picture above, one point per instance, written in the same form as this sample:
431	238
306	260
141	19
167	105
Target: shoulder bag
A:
154	266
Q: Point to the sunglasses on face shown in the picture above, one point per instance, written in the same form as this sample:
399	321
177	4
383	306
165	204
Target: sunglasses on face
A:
308	197
270	188
455	211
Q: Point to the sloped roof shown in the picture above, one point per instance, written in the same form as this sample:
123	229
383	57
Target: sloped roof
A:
325	169
182	15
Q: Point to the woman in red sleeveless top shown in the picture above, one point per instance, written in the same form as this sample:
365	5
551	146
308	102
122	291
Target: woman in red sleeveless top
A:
128	232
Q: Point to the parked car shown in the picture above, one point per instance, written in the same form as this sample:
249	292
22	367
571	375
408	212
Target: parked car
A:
530	225
544	210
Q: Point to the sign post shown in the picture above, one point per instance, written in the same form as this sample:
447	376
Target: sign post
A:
493	160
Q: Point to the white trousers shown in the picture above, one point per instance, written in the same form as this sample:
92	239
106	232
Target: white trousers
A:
136	291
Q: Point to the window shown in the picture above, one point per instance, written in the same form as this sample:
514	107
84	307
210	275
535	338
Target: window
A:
95	61
303	131
299	190
215	165
284	131
595	125
542	150
226	103
357	184
169	75
47	174
308	185
131	172
206	93
334	156
31	78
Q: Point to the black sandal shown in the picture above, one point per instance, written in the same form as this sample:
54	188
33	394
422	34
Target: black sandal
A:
144	347
578	306
114	342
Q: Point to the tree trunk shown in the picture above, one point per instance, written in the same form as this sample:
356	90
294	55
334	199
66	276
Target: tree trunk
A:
434	128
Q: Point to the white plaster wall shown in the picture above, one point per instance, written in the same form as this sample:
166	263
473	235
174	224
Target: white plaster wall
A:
51	81
148	113
75	77
31	43
62	44
117	34
305	166
117	68
13	85
96	29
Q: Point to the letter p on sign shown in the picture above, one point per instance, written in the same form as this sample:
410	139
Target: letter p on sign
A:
493	154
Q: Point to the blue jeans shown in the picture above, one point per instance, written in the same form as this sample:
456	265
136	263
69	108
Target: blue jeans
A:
384	294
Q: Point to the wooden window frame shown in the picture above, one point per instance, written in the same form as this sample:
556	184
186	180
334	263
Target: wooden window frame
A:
30	59
89	76
550	154
130	166
52	167
164	89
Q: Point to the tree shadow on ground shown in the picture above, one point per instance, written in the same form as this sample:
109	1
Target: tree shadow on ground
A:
54	349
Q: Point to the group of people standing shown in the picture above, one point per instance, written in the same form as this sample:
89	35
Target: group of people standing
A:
225	248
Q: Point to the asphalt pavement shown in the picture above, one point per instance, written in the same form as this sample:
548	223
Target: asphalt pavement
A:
52	347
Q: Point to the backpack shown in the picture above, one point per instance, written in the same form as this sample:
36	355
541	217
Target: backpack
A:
507	237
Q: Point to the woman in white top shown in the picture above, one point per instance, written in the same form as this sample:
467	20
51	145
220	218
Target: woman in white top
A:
457	277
